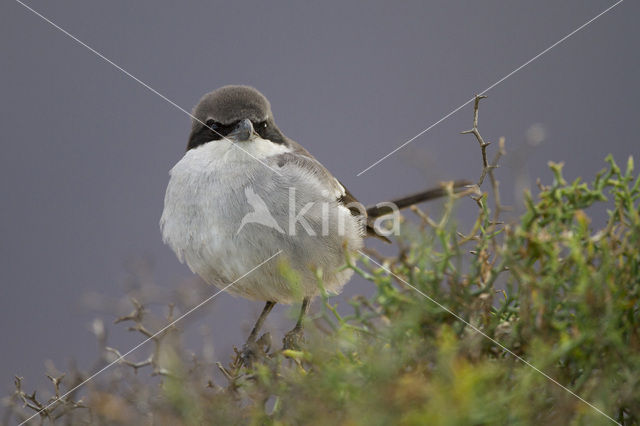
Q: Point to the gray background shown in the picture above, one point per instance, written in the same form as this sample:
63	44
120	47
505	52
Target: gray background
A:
86	150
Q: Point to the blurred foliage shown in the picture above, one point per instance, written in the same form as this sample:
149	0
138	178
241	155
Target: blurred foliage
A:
552	289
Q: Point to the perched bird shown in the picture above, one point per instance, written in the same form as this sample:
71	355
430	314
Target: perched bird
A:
243	191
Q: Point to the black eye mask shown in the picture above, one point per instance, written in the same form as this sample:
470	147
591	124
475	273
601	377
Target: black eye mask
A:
213	131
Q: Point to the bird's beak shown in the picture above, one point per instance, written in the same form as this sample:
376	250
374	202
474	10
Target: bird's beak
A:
243	131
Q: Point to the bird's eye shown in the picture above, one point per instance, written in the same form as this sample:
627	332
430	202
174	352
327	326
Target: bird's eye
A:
263	125
211	123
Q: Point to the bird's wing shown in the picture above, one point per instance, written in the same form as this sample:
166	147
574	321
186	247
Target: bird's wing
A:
303	159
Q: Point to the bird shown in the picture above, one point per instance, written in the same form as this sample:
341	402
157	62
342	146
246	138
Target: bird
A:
243	191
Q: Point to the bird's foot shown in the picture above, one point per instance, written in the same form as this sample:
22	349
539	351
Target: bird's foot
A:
293	339
254	350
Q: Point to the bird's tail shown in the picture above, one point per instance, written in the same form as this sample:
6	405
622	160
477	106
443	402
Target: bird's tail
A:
410	200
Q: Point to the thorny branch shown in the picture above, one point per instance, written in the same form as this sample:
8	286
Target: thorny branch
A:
58	406
137	316
483	145
47	409
488	167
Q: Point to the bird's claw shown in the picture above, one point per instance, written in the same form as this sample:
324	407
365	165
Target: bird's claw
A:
254	350
293	339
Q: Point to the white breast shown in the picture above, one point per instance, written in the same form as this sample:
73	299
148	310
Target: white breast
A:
206	201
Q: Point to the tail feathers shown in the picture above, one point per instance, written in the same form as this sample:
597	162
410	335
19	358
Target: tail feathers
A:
410	200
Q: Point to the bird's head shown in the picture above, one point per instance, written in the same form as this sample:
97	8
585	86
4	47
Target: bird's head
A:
237	113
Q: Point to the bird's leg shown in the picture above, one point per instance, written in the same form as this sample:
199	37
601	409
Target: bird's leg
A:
293	338
256	328
251	349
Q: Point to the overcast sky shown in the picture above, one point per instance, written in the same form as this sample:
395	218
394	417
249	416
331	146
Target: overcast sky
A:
86	149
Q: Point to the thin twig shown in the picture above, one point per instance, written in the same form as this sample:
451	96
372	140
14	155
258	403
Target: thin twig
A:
483	145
